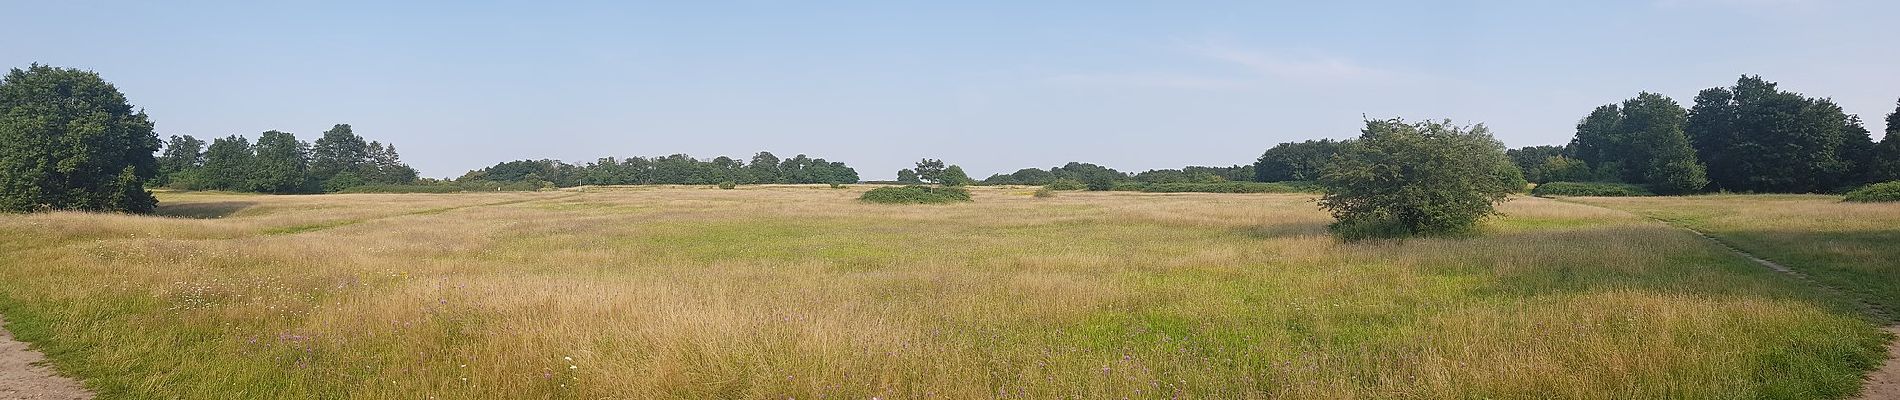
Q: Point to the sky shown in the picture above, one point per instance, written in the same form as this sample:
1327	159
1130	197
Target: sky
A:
993	86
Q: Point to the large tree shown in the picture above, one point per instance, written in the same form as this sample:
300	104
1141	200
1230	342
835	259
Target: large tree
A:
228	165
1402	179
70	141
340	150
1884	164
1597	143
1532	159
282	164
1656	152
1294	161
182	153
1755	137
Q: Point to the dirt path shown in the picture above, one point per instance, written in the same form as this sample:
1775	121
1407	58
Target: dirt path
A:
1882	384
21	378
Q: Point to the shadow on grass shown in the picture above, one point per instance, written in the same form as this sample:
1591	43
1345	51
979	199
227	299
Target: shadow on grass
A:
205	210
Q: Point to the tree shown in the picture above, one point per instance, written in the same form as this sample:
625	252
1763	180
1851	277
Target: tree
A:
339	150
1884	164
764	168
387	167
227	165
1299	161
1597	143
182	153
1531	160
930	171
1565	169
1655	150
908	176
1755	137
282	164
954	176
69	140
1402	179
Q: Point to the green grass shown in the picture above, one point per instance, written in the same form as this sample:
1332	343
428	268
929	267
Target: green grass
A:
776	292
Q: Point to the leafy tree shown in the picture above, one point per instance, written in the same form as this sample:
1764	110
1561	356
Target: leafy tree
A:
282	164
930	171
339	150
1755	137
1884	164
386	167
764	168
1655	150
1565	169
1299	161
69	140
908	176
228	165
181	154
1531	160
954	176
1402	179
1597	142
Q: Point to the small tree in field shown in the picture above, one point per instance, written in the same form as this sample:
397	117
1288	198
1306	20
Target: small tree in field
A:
1404	179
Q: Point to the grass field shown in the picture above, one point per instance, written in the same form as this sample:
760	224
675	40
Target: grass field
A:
802	291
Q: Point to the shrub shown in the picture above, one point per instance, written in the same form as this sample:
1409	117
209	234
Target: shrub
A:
1126	186
916	194
1590	189
728	185
1879	192
835	185
1403	179
1231	187
1045	192
1066	184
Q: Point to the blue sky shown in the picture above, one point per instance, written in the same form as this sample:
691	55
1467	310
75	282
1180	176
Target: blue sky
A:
993	86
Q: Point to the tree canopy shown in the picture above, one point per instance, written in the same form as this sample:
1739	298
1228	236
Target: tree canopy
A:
69	140
1402	179
1295	161
676	169
1755	137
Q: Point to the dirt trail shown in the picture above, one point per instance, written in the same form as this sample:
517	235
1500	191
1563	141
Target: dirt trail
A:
21	378
1882	384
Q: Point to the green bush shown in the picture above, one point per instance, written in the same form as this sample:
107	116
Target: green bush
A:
1066	184
728	185
1232	187
1045	192
835	185
1590	189
1403	179
1879	192
1126	187
916	194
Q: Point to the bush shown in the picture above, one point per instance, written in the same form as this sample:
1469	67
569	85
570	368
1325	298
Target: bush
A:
1879	192
1590	189
1066	184
1127	187
1231	187
728	185
835	185
916	194
1404	179
1045	192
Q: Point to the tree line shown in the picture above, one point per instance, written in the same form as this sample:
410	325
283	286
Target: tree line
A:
279	163
678	169
1749	137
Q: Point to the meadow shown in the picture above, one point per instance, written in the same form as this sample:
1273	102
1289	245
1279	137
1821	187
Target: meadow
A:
788	291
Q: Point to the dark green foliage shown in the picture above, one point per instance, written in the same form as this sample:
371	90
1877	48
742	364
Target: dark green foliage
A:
1044	192
1232	187
282	165
1756	138
930	171
954	176
1299	161
916	194
181	153
70	141
729	185
1879	192
1428	178
1884	164
1639	141
908	176
1590	189
1564	169
1532	160
677	169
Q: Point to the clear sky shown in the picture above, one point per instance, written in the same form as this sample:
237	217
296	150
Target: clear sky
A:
993	86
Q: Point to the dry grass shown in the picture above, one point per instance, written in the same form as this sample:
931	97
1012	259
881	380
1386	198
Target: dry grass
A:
802	291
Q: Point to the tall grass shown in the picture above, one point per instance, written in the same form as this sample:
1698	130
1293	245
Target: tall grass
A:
778	292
